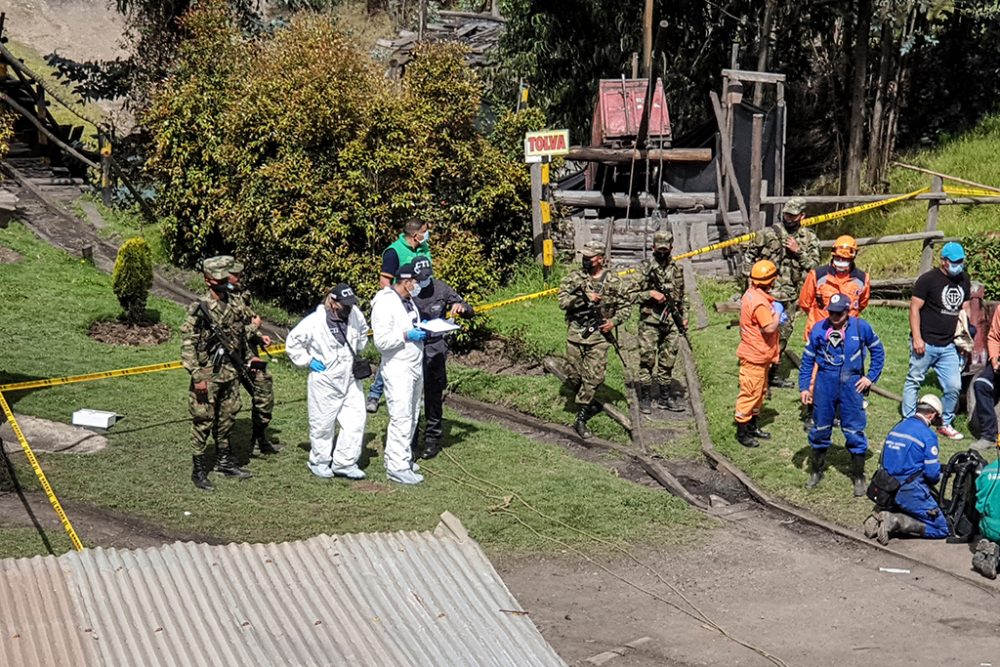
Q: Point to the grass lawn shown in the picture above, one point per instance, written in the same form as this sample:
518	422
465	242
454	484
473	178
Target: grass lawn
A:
537	328
781	465
49	301
972	156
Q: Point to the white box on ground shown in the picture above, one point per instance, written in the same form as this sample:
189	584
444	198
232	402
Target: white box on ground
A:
94	418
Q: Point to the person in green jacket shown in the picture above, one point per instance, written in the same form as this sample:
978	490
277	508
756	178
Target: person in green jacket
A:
987	553
412	242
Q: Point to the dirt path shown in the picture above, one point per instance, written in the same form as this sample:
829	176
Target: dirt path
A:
802	595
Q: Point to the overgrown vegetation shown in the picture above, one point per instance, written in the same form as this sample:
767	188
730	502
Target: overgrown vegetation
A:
983	253
132	279
293	152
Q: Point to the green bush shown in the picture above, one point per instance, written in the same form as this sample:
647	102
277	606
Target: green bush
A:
294	152
461	262
983	252
132	278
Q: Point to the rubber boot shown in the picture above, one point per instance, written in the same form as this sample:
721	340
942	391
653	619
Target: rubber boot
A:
582	417
773	380
756	431
893	523
818	467
858	474
668	399
743	436
431	449
984	560
199	475
871	524
259	440
645	398
226	466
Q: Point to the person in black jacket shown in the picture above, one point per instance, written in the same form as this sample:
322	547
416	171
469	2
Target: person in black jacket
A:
436	299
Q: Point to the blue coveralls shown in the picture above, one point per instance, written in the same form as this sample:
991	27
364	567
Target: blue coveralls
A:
912	447
839	368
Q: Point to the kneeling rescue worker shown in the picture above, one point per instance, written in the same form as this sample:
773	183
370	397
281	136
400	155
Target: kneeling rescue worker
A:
760	317
836	349
910	455
986	559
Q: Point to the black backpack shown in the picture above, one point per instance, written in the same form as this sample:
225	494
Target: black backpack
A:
956	495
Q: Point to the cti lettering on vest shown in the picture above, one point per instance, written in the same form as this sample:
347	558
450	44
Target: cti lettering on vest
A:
545	143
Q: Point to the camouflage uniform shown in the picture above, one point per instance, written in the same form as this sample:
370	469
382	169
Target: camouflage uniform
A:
792	269
658	334
262	401
203	357
588	353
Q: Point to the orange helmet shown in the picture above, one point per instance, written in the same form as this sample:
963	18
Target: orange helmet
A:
763	272
845	247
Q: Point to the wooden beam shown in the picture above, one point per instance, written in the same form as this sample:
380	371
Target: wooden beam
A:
927	256
753	77
596	199
756	167
727	158
599	154
48	133
946	176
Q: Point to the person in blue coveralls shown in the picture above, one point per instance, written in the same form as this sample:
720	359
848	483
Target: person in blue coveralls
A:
837	348
910	455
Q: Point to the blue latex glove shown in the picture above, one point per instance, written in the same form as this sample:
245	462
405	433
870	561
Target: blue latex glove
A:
317	366
779	311
416	335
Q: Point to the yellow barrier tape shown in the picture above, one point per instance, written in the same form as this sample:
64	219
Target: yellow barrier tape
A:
73	537
971	192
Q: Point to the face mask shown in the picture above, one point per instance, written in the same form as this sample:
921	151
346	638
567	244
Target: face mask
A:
661	255
427	237
791	226
222	290
424	284
841	265
588	264
955	269
415	290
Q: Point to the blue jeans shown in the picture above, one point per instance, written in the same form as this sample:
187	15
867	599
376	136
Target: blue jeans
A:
378	386
948	366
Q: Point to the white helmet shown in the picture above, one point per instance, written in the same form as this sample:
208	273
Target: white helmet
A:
932	401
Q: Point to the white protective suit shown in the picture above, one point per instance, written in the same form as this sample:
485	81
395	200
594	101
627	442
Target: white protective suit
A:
403	373
334	395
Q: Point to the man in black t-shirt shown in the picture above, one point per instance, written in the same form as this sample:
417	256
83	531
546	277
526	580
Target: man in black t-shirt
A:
938	297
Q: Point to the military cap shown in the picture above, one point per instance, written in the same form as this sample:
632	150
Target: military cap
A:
593	249
663	239
236	266
217	267
794	206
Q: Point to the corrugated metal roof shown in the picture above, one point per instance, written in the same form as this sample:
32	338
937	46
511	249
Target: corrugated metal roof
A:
391	599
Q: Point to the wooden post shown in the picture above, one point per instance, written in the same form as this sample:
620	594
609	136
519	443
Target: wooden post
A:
647	38
41	111
926	259
635	64
422	25
536	209
724	145
779	154
756	158
105	147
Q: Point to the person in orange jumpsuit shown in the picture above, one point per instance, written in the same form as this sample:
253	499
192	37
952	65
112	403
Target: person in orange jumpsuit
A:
840	276
760	317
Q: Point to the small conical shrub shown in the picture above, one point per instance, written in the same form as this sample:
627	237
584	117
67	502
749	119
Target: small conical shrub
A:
132	278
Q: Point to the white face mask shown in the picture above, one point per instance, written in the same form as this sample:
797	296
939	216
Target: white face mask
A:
841	264
427	237
415	290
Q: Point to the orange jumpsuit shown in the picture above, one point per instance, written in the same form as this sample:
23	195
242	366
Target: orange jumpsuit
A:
756	352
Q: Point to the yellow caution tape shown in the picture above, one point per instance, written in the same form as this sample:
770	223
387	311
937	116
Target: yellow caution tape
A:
73	537
517	299
971	192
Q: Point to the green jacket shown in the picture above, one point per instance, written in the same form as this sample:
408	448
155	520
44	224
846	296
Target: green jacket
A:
792	268
406	253
988	501
615	303
652	276
199	346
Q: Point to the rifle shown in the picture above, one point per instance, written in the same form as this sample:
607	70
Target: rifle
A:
594	319
671	306
241	370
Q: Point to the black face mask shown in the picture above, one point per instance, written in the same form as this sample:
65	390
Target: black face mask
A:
588	264
222	289
661	256
791	226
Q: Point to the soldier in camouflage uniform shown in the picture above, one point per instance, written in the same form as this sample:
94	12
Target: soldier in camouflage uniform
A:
262	401
214	396
795	251
658	285
595	300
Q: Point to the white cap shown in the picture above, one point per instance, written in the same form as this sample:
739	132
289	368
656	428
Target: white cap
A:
932	401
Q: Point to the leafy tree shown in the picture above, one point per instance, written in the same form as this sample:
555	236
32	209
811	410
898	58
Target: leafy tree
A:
132	278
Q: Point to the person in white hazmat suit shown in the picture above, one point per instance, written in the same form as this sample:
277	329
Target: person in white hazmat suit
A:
401	342
327	343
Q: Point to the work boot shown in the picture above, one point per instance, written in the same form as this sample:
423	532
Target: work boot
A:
372	405
259	441
871	524
582	417
983	444
744	437
669	399
774	380
199	475
818	465
756	431
431	449
984	560
645	398
226	466
858	474
892	523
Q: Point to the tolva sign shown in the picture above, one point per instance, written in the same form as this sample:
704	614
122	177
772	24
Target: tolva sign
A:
546	143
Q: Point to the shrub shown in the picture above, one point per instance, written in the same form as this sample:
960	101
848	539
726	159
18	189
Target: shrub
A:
983	263
461	262
132	278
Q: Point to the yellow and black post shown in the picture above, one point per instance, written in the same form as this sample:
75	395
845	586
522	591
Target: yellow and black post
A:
105	143
545	210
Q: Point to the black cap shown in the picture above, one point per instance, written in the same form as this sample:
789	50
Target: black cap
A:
406	272
343	294
422	268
